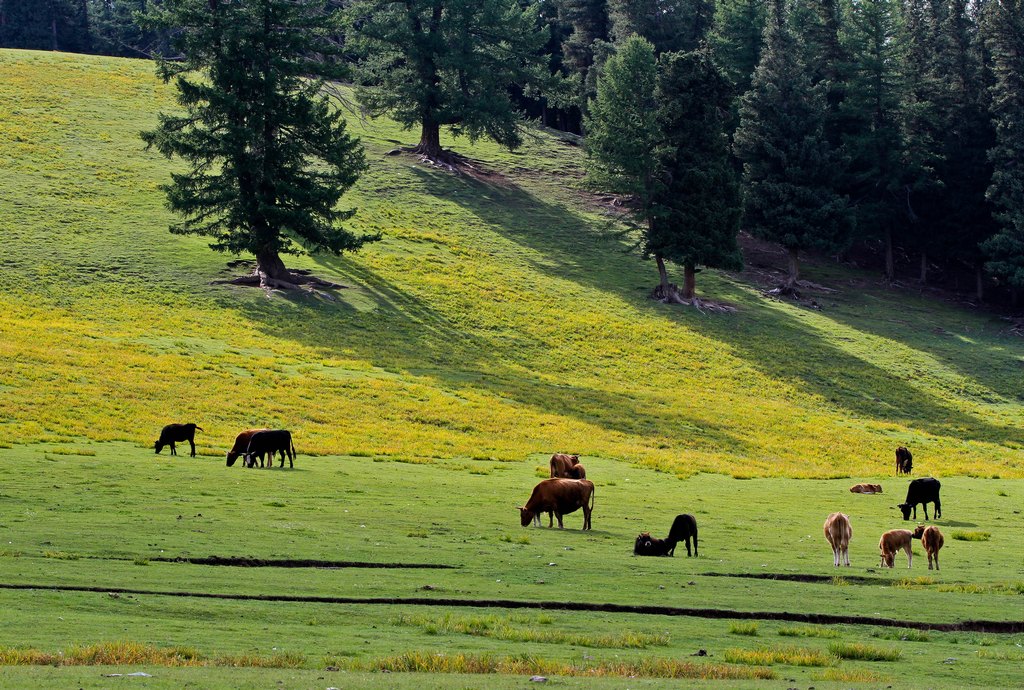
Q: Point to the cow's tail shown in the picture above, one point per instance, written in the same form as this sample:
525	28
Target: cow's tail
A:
593	491
200	428
292	443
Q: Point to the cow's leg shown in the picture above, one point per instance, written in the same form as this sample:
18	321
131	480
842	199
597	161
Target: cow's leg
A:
173	451
687	547
910	556
559	516
586	517
193	444
936	560
925	506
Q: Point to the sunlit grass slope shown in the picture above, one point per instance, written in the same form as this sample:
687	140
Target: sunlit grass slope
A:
494	320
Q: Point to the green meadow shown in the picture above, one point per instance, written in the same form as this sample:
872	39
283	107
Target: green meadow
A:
500	319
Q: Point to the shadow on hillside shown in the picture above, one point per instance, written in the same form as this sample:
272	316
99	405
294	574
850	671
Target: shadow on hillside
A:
404	335
804	359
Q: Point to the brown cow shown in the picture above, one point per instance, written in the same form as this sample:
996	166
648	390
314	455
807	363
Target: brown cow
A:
838	532
891	542
559	496
866	489
242	445
932	540
562	464
577	471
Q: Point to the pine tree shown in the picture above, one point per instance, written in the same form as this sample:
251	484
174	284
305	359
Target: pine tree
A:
269	158
818	24
670	25
872	110
736	38
697	208
921	125
789	169
964	216
447	63
1004	36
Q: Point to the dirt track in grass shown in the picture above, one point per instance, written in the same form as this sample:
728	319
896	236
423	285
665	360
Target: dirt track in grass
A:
1003	627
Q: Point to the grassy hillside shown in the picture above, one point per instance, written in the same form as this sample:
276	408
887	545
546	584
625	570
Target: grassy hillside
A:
497	319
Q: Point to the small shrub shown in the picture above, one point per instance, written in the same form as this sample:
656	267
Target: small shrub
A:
908	635
61	555
850	676
1001	493
807	631
766	656
971	535
999	655
863	652
963	588
912	582
743	629
840	581
418	534
141	561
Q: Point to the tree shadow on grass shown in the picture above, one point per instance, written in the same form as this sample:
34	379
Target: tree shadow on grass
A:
404	335
774	343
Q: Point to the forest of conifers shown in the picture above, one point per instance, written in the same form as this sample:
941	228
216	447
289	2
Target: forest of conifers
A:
915	108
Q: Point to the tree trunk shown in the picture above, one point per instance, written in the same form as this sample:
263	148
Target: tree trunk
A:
924	267
794	268
662	273
1014	297
890	262
979	282
270	269
689	281
430	140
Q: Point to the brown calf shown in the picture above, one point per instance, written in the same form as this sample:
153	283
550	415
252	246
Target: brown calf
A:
891	542
932	540
838	532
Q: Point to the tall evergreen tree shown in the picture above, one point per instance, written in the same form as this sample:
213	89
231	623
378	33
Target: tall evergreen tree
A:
736	38
1004	36
45	25
656	134
789	169
447	63
818	23
670	25
872	109
697	207
269	158
921	125
965	217
622	126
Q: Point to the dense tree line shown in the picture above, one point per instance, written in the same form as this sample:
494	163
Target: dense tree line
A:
888	125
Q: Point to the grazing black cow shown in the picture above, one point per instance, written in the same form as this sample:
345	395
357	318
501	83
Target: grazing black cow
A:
270	442
683	527
646	545
176	433
904	461
923	491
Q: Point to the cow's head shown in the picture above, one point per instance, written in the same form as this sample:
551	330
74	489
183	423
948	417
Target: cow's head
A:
525	516
918	531
888	560
158	445
232	456
905	508
574	459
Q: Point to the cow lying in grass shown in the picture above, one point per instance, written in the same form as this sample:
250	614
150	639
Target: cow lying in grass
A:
176	433
866	489
932	540
684	527
891	542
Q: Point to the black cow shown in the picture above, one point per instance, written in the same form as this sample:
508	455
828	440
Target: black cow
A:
923	491
646	545
904	461
270	442
683	527
176	433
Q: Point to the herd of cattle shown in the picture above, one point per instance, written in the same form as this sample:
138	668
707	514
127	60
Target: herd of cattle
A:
251	444
569	490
